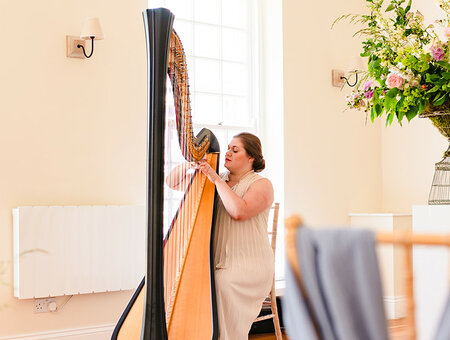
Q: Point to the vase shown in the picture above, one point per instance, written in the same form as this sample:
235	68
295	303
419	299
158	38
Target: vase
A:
440	188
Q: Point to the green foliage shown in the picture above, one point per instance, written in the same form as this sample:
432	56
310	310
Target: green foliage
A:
408	65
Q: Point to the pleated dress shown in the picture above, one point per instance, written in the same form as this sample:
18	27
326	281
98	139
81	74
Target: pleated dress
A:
244	266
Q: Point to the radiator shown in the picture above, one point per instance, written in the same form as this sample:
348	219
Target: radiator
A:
67	250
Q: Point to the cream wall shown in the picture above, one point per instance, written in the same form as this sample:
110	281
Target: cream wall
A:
70	131
409	154
332	158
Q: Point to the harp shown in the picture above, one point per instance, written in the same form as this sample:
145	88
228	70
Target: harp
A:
176	299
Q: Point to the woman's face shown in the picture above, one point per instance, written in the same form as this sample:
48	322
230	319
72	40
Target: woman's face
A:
236	158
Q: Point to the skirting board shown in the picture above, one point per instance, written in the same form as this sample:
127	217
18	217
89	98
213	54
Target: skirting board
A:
99	332
394	306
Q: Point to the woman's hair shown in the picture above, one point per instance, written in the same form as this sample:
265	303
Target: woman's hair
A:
252	146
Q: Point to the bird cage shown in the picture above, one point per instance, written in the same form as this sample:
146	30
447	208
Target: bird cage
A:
440	188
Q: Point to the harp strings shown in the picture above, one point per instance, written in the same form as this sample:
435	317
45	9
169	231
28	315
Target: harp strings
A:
180	206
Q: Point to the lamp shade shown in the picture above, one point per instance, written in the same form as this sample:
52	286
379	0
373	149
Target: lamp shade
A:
92	28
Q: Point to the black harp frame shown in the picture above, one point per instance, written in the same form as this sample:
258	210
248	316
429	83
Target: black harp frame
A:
158	28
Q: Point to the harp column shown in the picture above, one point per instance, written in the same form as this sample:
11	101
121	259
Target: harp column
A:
158	28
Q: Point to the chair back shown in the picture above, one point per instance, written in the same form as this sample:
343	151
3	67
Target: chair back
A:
405	239
271	300
272	227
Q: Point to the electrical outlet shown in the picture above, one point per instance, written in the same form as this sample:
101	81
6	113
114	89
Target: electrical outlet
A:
42	305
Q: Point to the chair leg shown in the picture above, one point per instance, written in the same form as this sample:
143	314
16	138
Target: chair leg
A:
276	320
276	323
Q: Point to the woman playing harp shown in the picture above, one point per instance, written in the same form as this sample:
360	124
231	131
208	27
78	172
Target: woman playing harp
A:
243	258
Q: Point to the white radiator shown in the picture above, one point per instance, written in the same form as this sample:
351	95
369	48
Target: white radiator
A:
66	250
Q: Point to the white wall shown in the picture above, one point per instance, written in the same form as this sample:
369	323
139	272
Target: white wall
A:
271	95
72	132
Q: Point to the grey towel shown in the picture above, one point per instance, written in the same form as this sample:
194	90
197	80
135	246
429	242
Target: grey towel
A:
341	276
443	331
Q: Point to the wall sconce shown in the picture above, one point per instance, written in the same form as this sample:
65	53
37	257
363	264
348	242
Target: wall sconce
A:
76	46
338	77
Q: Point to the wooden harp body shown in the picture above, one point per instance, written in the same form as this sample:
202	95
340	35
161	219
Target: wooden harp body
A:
176	299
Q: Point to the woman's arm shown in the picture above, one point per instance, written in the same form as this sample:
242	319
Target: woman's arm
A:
179	178
258	197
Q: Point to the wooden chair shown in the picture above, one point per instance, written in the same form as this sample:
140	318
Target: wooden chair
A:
271	300
408	240
405	239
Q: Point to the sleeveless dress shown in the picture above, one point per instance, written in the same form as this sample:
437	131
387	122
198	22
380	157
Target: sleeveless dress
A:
244	266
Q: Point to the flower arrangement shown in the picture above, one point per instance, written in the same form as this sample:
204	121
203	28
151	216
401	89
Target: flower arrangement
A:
408	64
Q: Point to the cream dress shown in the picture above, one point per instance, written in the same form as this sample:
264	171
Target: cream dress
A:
244	266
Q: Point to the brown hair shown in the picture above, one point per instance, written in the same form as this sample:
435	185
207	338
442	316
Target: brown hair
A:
252	146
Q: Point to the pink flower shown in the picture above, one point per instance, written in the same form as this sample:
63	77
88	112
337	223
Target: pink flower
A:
394	80
447	31
419	15
369	94
367	85
437	52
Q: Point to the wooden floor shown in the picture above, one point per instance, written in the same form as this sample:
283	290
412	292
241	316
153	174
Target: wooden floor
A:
265	337
397	331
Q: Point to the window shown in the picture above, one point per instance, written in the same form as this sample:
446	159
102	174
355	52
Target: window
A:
218	37
224	41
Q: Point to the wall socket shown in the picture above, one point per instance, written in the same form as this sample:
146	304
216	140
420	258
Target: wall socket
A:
45	305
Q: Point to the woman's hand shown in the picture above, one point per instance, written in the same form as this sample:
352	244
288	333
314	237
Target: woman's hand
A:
180	176
258	197
205	168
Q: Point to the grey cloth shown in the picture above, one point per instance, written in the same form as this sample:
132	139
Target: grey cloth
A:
295	315
443	331
341	276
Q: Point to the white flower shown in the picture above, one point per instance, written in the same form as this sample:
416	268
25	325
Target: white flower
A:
350	100
414	83
438	3
419	15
